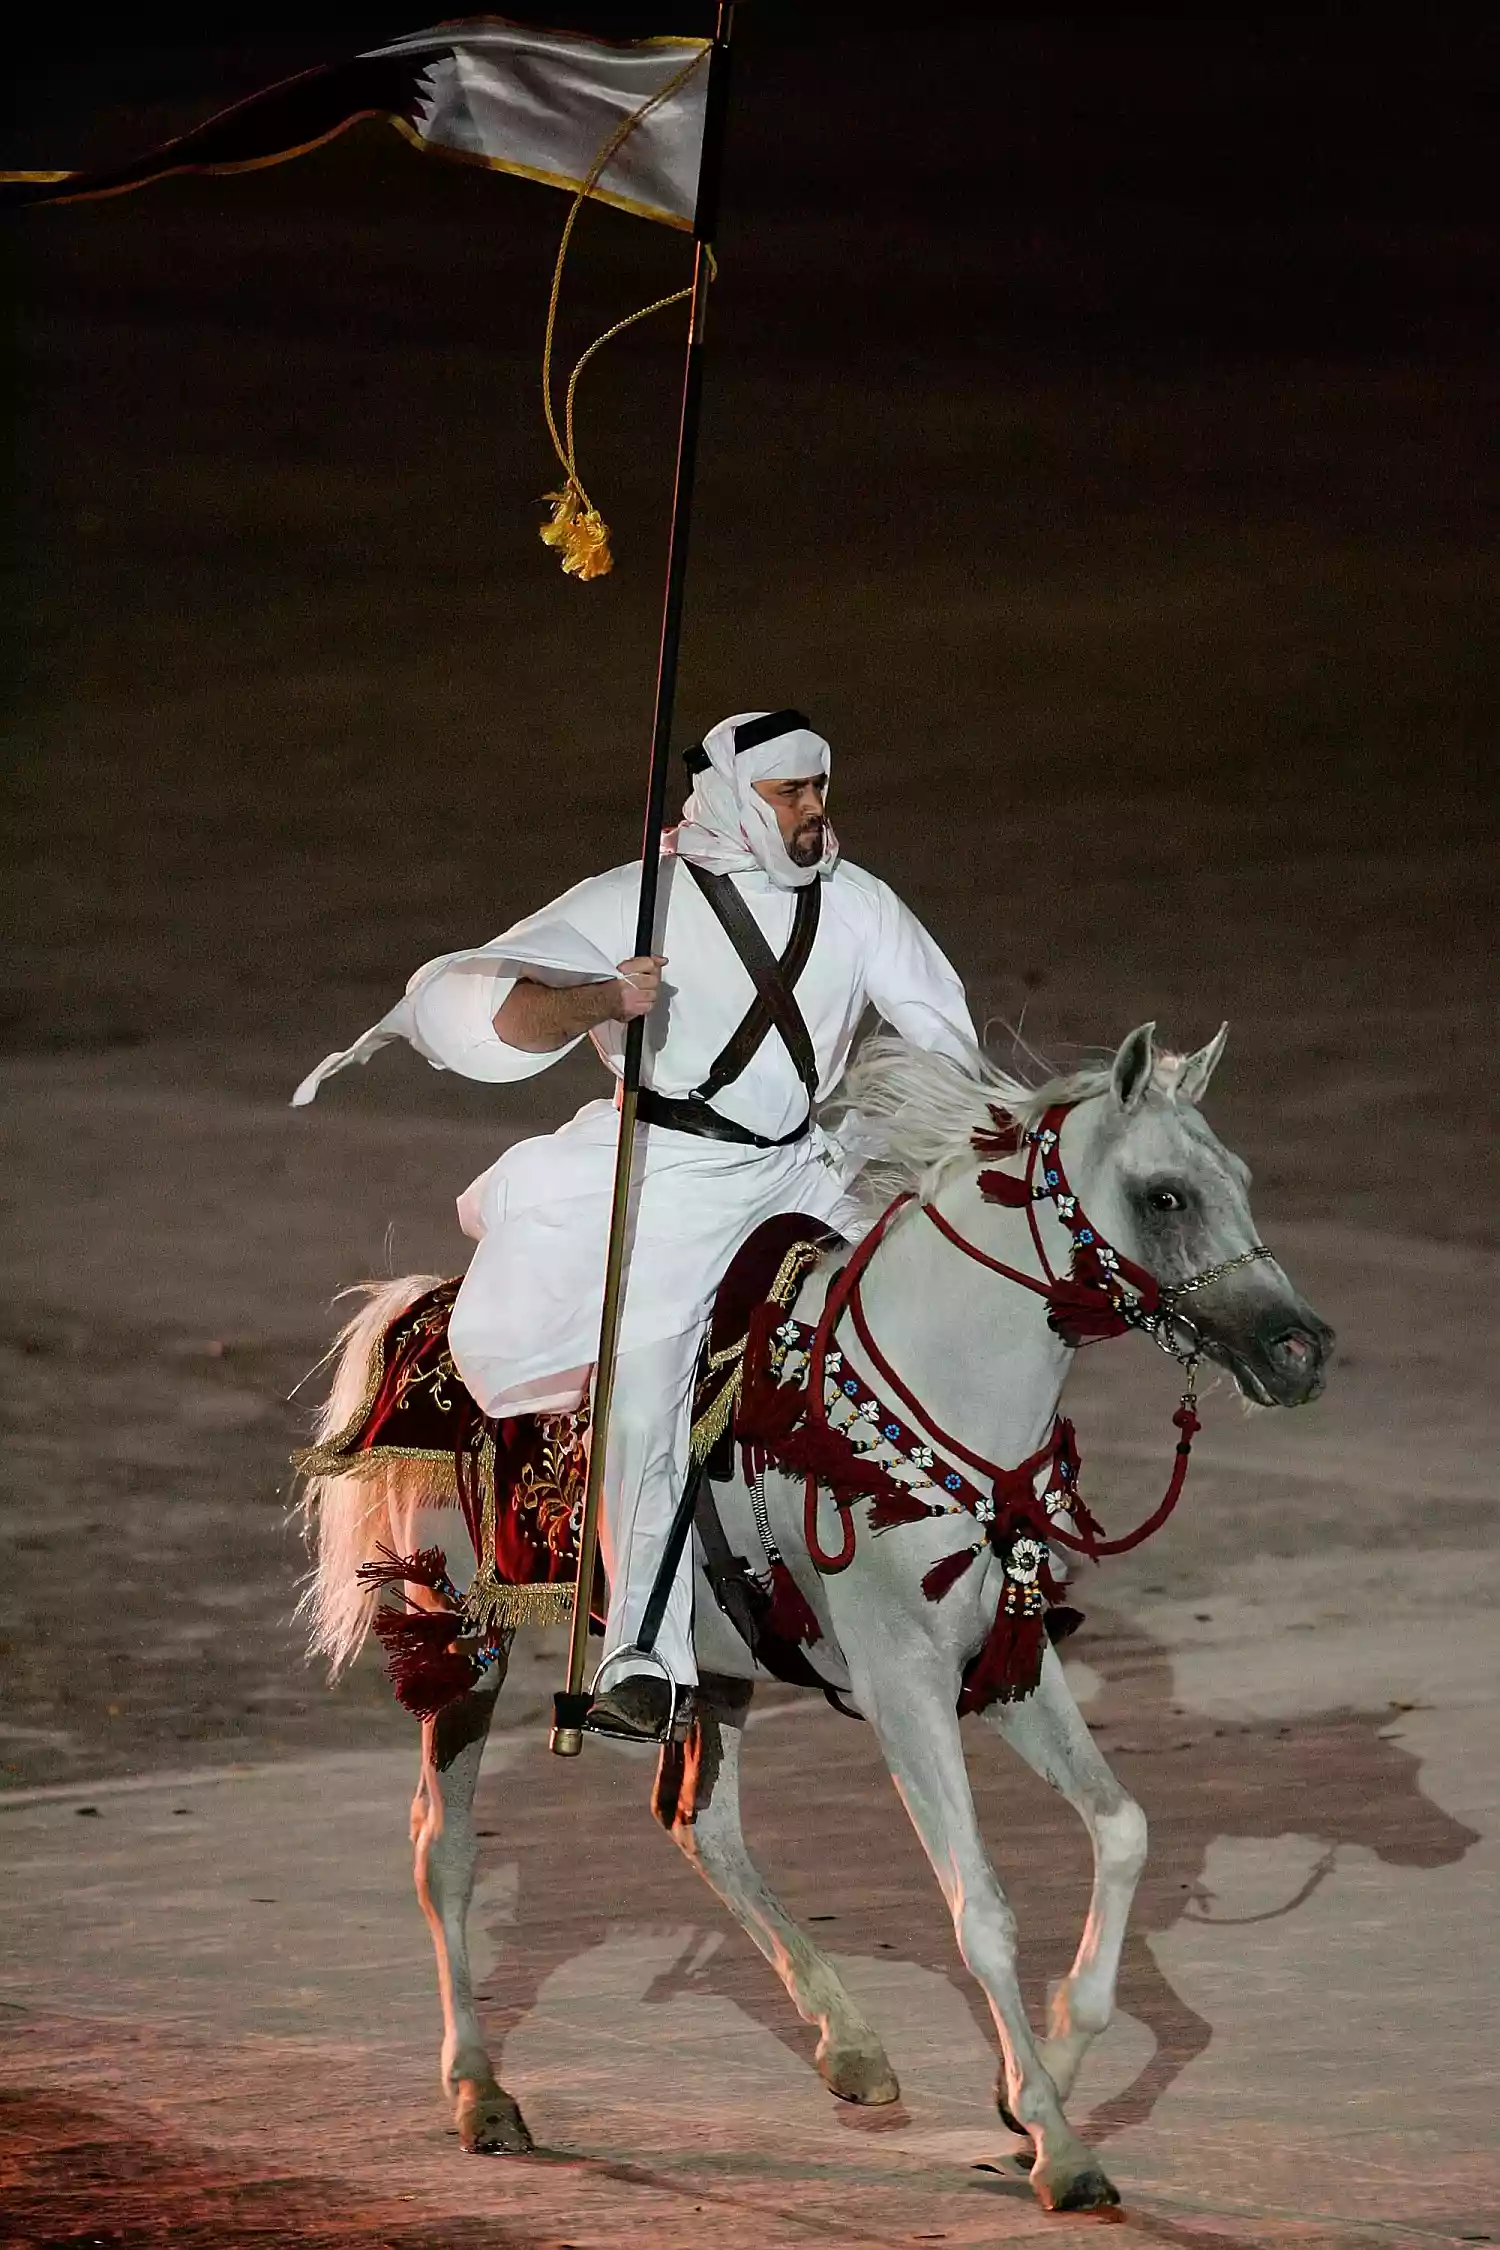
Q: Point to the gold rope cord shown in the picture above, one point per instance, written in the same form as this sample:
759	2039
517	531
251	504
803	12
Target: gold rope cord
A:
576	528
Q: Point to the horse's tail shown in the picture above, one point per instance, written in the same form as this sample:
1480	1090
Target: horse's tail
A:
348	1517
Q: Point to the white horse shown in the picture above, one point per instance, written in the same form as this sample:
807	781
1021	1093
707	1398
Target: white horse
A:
978	1353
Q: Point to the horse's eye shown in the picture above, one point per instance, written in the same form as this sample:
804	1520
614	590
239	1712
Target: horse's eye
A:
1166	1199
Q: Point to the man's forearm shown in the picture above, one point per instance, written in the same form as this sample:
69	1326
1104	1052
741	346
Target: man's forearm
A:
540	1017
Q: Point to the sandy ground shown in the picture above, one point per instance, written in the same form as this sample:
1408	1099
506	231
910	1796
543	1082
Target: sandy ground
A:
219	2021
1157	682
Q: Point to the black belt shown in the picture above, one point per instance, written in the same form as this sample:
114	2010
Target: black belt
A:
709	1124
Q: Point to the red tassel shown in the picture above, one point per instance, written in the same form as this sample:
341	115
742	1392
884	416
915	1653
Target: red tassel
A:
886	1514
1003	1141
947	1573
790	1617
1004	1187
816	1450
1081	1314
426	1671
767	1410
1087	1525
427	1567
1008	1666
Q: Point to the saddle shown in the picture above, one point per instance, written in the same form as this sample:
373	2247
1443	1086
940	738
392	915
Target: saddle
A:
519	1482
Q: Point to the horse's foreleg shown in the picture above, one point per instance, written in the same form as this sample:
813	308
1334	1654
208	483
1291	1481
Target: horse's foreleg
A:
698	1801
1049	1732
442	1825
912	1710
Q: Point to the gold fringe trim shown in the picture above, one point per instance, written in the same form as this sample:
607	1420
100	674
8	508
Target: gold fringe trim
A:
487	1595
431	1477
499	1609
717	1416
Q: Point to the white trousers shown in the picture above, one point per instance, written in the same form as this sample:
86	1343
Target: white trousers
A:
644	1471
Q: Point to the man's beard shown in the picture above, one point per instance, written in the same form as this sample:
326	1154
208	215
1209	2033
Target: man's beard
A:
806	847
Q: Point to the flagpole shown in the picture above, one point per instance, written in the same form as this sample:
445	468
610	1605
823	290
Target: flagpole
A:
570	1704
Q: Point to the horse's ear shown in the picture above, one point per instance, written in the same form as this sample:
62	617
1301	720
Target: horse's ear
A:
1196	1071
1133	1066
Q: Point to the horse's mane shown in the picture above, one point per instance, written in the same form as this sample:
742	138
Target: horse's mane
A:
920	1110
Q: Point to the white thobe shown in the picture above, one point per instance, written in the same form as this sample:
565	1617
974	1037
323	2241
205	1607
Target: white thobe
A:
525	1328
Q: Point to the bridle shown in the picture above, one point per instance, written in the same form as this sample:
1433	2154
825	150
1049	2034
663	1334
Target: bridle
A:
1103	1294
1153	1309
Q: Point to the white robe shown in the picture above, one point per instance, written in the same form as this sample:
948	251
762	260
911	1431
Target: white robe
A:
526	1325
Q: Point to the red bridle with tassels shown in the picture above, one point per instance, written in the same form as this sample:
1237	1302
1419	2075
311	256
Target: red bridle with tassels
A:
1090	1303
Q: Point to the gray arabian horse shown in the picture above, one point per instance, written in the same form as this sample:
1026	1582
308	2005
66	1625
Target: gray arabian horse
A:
976	1350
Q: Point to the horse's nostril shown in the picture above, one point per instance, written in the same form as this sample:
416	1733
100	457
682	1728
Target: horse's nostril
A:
1295	1348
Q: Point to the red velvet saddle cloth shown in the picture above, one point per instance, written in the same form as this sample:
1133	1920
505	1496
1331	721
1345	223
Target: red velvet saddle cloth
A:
519	1482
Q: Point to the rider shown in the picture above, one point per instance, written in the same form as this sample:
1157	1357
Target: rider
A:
726	1105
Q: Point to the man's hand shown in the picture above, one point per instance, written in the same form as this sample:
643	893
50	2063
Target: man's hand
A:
539	1018
639	987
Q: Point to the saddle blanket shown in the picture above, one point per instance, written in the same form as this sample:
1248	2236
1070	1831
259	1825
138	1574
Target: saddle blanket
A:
519	1482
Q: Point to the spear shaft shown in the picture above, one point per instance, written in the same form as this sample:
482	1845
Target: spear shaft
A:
570	1705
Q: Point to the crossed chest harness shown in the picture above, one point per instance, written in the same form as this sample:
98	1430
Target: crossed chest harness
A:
774	1009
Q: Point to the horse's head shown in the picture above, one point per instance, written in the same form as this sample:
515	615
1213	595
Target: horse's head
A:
1165	1191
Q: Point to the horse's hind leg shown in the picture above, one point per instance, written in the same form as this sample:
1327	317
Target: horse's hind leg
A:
698	1802
442	1825
1049	1732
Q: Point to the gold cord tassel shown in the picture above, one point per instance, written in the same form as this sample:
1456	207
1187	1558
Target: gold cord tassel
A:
578	532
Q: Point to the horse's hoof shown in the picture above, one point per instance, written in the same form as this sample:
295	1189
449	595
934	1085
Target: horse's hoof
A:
491	2124
1088	2190
858	2074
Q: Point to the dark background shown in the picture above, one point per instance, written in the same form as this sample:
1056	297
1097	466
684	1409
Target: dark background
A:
1098	443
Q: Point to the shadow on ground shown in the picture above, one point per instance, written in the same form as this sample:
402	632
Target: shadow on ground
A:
860	1883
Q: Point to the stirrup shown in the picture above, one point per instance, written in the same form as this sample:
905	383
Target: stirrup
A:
679	1708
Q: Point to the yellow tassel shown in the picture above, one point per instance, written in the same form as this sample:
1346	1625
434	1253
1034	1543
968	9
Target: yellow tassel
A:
564	507
578	531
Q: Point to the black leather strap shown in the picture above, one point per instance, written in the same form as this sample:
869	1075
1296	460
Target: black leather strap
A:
695	1116
745	1601
774	1006
671	1556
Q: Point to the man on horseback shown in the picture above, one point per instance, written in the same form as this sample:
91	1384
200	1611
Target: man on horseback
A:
769	949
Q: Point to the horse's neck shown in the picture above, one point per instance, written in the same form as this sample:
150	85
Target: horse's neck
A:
974	1347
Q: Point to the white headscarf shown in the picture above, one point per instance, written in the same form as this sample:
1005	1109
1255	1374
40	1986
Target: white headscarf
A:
725	826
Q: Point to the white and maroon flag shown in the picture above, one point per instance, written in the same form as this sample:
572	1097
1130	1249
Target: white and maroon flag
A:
543	104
